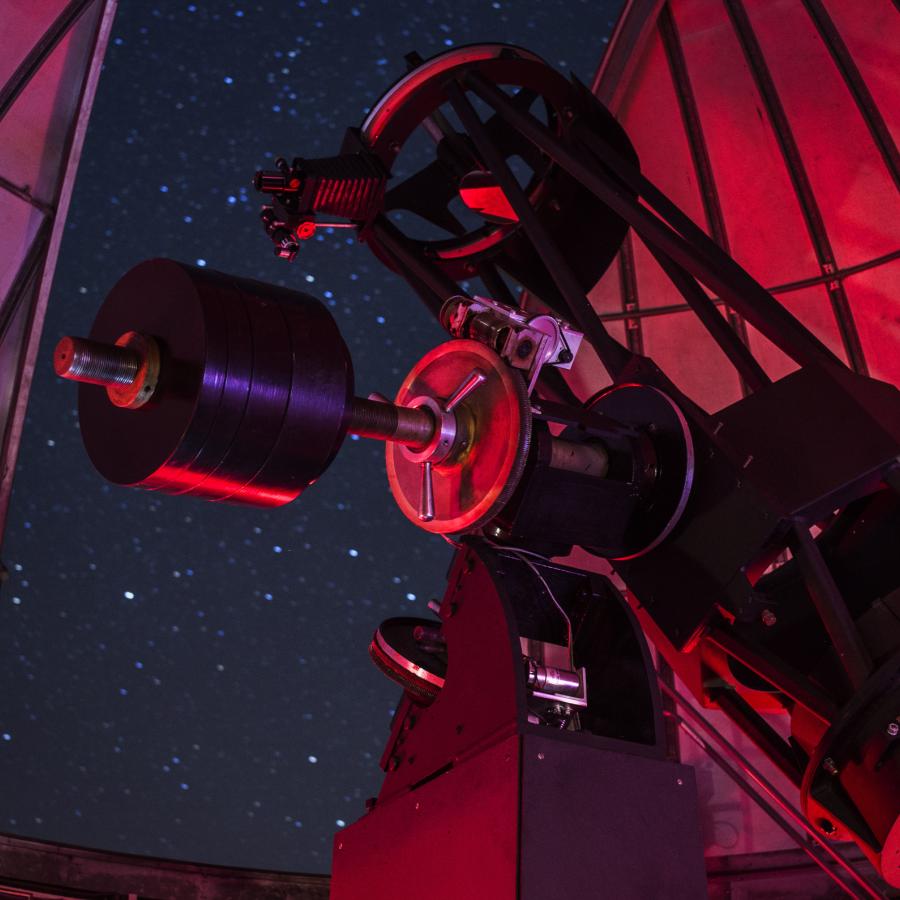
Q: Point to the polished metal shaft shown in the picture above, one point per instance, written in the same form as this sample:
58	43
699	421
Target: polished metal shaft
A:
388	422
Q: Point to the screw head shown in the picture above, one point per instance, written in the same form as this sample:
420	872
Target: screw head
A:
540	755
768	618
524	349
830	766
893	729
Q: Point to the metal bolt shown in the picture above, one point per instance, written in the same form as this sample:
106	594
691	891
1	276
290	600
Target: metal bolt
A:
540	755
768	618
475	378
830	766
679	781
524	349
426	496
893	729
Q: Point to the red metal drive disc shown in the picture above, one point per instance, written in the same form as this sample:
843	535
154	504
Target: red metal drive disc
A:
493	433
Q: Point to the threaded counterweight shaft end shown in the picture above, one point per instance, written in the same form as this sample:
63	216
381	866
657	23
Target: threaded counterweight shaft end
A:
80	359
388	422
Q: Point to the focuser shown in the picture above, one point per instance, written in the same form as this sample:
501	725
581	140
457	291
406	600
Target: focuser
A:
350	185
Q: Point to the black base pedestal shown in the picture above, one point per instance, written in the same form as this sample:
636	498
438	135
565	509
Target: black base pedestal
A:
535	816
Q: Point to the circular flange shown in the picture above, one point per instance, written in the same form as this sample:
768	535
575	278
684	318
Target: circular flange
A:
654	412
443	438
418	666
140	390
475	481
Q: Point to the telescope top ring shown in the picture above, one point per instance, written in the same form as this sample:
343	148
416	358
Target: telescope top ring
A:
402	90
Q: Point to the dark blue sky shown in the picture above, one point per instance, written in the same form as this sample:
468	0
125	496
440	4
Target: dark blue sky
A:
186	679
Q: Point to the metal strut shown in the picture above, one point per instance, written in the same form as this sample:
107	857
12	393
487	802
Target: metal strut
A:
746	775
664	227
612	354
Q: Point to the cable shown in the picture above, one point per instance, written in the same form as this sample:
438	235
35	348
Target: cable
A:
522	553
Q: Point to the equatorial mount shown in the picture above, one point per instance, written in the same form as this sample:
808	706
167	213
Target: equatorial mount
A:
196	402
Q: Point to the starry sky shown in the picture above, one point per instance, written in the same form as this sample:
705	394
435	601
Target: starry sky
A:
186	679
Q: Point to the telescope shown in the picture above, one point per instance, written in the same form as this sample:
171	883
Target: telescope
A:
756	543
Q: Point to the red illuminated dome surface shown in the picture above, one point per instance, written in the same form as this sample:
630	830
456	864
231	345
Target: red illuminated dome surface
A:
773	125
